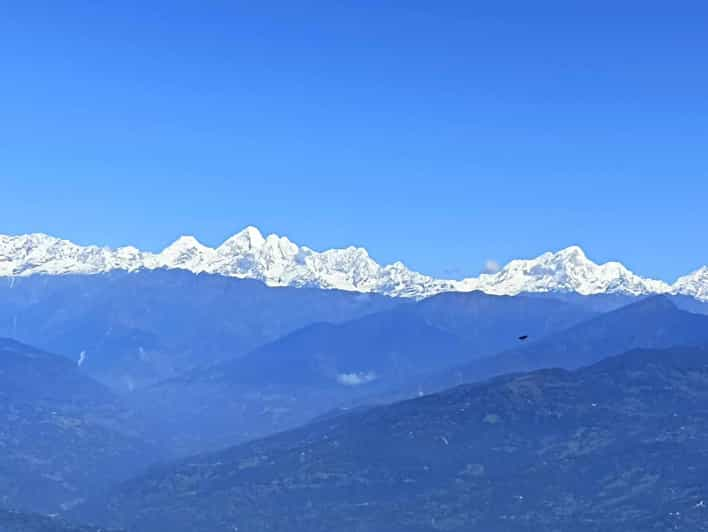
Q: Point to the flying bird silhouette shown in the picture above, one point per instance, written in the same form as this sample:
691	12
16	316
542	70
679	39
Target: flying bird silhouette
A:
524	337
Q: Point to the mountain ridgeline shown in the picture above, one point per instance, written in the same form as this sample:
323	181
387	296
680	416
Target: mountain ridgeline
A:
297	377
129	329
276	261
654	322
412	349
620	446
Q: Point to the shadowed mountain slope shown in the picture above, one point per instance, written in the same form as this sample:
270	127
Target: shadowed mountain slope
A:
653	322
621	446
134	328
295	378
62	435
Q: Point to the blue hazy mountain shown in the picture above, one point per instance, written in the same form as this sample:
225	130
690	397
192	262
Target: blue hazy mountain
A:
654	322
303	374
489	323
619	446
62	434
132	328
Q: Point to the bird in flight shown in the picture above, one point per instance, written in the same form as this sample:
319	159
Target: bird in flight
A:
524	337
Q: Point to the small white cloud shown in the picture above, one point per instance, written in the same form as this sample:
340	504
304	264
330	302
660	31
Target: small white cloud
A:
356	379
491	266
82	358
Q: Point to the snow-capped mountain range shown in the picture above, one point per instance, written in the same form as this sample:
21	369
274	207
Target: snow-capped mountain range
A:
277	261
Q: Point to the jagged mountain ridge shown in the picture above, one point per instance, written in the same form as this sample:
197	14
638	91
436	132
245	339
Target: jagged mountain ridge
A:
277	261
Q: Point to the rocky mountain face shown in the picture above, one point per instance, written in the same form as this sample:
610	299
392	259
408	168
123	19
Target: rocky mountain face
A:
277	261
620	446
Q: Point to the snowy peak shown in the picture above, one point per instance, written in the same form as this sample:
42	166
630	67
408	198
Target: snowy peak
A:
185	242
248	239
568	270
277	261
570	254
694	284
39	253
186	252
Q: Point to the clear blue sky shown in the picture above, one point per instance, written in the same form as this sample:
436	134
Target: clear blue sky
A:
431	132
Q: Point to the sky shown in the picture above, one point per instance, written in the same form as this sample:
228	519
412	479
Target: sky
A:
442	134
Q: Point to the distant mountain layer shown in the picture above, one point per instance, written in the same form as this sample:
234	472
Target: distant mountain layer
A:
132	328
277	261
307	372
621	446
651	323
62	435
